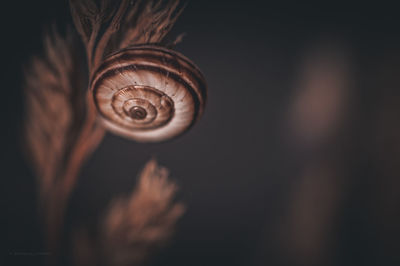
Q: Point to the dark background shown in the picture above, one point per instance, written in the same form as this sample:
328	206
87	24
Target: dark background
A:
234	169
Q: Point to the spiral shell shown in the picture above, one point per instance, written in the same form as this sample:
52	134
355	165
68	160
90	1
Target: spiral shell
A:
148	93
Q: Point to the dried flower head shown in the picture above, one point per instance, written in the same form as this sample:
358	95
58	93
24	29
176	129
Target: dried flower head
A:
136	225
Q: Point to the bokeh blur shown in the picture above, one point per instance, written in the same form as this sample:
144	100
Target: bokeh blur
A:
296	160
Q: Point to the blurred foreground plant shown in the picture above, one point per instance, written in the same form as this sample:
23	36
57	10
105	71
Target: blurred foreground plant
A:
134	225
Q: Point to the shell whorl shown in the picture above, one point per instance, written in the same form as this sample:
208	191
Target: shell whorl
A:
148	93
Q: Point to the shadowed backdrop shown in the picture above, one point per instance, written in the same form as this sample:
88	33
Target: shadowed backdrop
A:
239	167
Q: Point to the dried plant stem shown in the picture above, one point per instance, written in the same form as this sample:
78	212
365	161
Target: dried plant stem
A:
90	46
89	138
104	40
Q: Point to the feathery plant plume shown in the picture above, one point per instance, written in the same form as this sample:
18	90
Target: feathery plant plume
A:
54	88
136	225
60	129
106	27
60	126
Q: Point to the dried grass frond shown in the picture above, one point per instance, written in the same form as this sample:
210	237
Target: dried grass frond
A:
134	226
107	26
53	86
60	128
148	22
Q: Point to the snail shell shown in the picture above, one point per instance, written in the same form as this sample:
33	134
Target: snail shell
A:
148	93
